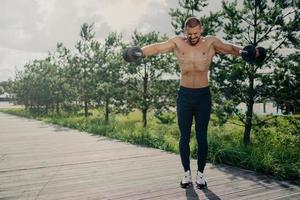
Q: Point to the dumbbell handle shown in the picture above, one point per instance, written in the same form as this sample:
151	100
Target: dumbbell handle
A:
243	51
138	54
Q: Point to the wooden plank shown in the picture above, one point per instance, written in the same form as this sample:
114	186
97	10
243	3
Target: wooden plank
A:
268	193
290	196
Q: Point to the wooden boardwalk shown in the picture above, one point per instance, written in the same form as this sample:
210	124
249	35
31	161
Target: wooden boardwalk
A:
42	161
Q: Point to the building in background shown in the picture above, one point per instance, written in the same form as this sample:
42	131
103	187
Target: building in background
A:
267	108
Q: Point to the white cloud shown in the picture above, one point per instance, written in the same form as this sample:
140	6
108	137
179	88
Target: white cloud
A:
31	28
12	60
127	13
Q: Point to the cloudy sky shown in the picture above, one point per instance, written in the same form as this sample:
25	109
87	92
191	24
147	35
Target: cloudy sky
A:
32	28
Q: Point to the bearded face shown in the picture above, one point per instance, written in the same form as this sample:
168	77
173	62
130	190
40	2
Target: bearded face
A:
193	34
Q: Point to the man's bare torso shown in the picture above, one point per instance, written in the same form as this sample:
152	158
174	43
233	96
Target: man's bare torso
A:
194	61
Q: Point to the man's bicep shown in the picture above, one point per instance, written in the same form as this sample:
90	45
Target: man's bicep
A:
165	47
225	48
157	48
221	47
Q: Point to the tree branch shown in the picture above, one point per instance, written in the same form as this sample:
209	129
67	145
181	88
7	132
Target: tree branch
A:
271	28
246	38
272	52
240	117
267	32
291	12
248	32
248	22
232	122
263	122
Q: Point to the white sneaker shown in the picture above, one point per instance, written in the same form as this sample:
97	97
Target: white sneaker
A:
200	181
186	180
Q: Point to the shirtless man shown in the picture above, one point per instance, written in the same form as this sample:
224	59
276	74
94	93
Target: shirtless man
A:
194	54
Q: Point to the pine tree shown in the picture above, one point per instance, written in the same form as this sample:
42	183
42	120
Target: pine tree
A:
144	89
274	25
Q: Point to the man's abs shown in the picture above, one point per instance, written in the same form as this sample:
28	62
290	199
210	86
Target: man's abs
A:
194	79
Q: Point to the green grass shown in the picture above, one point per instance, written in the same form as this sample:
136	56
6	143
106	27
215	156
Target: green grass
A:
274	149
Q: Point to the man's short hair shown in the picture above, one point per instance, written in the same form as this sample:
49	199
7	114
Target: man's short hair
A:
192	22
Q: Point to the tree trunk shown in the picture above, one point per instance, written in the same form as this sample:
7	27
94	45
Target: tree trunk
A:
47	109
57	107
106	110
85	108
145	99
248	125
249	112
144	111
250	100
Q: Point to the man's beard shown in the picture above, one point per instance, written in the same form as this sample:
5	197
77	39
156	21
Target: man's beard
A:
194	41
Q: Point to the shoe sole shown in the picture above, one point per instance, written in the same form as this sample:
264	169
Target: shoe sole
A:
186	185
201	186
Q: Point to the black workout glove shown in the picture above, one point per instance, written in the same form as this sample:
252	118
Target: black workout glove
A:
132	54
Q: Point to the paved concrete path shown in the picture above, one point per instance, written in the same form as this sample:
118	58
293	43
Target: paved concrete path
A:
43	161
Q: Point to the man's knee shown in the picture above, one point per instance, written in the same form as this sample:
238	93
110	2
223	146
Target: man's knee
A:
201	138
184	140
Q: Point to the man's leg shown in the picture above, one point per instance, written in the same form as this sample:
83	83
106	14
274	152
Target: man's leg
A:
185	119
202	117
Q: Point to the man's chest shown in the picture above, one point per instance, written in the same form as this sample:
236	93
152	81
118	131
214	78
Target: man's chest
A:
201	52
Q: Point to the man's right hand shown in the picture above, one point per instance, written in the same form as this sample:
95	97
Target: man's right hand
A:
249	53
132	54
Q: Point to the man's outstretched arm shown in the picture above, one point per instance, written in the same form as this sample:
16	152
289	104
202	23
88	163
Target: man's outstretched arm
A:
132	54
154	49
249	53
226	48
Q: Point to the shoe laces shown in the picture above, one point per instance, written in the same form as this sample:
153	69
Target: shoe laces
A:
200	178
187	176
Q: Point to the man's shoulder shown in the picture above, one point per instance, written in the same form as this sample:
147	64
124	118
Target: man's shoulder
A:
211	38
176	39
